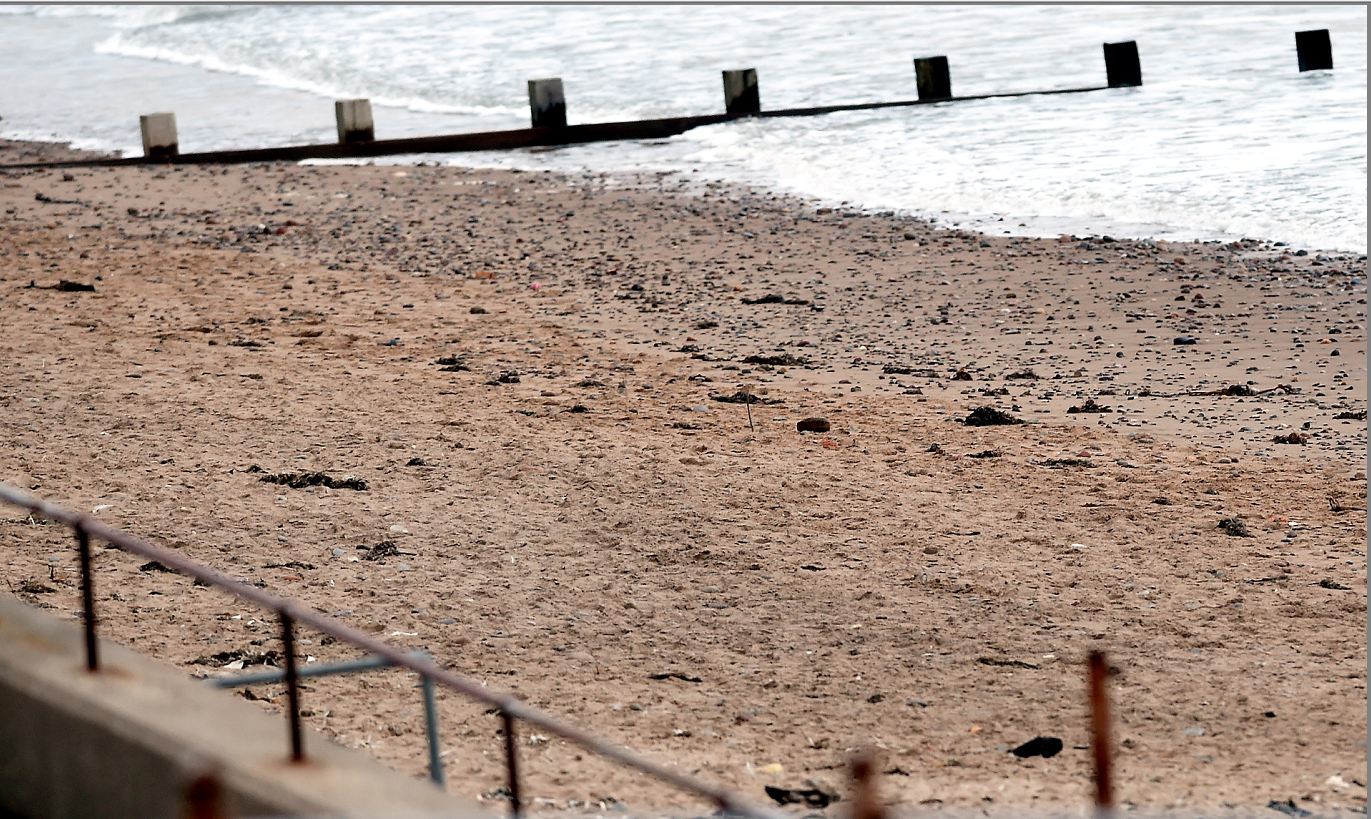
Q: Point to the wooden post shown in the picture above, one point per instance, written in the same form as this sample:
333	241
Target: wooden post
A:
547	104
740	92
354	121
1315	49
1121	66
159	135
932	77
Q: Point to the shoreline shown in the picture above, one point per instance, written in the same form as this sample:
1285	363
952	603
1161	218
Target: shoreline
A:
577	512
989	225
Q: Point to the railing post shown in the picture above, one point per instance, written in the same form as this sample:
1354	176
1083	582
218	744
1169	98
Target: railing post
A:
547	103
159	135
1100	740
740	92
932	77
354	121
87	600
435	756
1314	50
1121	66
511	763
297	740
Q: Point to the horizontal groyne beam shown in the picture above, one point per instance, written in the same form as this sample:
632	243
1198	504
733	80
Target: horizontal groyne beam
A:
509	140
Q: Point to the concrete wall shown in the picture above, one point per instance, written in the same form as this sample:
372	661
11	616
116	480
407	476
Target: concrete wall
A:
129	740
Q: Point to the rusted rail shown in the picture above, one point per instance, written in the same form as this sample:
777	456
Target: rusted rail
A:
293	613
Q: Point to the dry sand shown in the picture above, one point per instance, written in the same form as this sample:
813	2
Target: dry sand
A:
574	514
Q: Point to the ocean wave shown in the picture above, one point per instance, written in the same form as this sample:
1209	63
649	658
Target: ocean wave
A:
119	46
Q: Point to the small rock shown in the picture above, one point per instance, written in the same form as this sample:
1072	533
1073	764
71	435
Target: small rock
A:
815	424
1194	731
1045	747
1181	341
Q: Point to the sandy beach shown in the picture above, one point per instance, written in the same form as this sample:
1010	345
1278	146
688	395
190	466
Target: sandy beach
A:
525	370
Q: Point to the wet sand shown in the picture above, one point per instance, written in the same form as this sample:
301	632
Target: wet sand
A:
564	509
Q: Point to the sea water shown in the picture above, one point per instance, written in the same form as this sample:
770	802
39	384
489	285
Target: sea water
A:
1224	139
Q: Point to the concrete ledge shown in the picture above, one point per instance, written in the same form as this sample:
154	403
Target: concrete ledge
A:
129	741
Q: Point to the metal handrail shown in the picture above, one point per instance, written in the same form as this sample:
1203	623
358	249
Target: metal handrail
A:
292	612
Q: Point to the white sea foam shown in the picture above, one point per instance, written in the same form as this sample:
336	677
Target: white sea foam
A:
1224	139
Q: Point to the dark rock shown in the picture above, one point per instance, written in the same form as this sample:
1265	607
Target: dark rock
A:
815	424
1181	341
154	566
1351	415
810	797
1045	747
987	453
961	375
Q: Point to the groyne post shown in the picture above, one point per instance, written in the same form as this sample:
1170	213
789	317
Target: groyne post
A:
546	103
1121	66
159	135
932	78
354	121
1315	49
740	92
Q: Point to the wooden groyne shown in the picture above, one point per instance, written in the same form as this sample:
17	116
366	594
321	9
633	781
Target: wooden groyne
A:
549	126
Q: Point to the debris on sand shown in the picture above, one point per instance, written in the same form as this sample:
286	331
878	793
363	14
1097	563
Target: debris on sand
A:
1292	438
920	372
1023	375
1088	406
743	397
815	424
1002	663
1235	527
1066	463
64	286
380	551
301	480
989	417
776	298
985	453
154	566
1045	747
810	797
782	360
961	375
1351	415
453	364
674	675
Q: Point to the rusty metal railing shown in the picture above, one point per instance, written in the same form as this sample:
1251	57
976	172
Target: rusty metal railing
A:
292	613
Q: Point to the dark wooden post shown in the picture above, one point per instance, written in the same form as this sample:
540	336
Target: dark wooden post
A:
159	135
354	121
740	92
932	77
1315	49
547	103
1121	66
